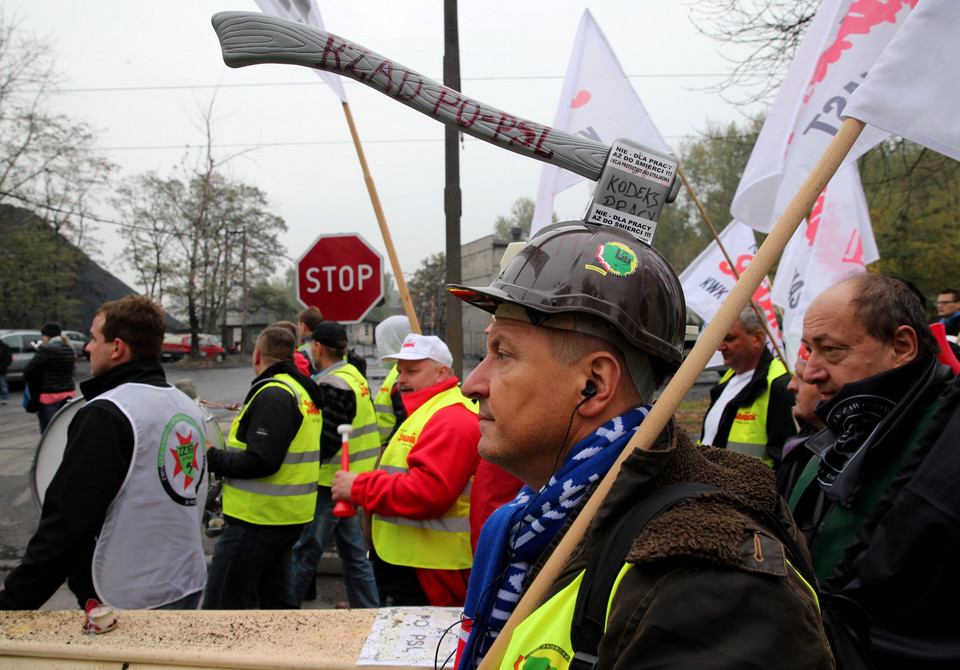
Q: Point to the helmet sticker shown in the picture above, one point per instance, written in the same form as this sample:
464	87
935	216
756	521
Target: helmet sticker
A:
615	258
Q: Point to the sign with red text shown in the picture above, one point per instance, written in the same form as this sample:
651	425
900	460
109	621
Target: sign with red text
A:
342	276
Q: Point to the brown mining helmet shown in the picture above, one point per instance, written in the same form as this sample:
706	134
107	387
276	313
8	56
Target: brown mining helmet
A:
622	285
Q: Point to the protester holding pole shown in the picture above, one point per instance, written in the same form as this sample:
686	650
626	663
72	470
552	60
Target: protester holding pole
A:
606	335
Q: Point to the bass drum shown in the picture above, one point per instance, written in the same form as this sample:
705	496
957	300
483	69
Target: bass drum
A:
49	454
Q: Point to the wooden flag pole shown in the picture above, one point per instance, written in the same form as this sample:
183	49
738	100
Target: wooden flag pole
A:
733	269
384	231
685	377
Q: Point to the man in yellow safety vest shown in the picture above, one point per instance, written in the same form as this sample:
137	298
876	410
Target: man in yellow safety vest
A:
270	470
419	494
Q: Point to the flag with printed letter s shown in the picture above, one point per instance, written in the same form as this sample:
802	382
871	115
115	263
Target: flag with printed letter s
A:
913	89
597	102
835	242
307	12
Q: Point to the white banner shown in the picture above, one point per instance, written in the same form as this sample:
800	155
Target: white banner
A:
709	278
914	88
836	242
598	102
841	45
304	11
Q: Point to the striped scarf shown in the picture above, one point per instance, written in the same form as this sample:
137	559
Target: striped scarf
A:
516	534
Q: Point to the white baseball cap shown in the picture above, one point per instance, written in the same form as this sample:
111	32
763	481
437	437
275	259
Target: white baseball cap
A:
419	347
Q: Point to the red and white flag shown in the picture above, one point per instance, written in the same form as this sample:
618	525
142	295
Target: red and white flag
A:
598	102
913	90
307	12
841	45
709	278
834	243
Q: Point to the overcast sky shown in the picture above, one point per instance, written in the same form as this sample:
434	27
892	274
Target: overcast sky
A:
140	72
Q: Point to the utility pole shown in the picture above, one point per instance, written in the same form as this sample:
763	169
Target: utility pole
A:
452	201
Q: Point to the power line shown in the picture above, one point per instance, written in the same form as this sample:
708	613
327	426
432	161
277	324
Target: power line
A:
191	87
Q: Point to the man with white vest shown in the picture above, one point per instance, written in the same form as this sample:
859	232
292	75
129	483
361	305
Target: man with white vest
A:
121	517
419	494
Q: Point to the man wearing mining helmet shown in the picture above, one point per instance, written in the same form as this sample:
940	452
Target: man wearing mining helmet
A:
589	321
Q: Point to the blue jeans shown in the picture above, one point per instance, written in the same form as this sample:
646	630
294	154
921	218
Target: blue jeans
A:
46	412
4	388
251	565
357	569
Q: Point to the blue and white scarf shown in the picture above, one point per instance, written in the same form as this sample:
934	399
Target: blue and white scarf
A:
517	533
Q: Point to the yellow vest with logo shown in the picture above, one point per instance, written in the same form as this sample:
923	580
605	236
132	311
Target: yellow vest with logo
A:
748	433
383	404
289	495
364	445
439	544
545	634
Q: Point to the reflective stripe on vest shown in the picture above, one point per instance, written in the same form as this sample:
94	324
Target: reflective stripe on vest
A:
364	445
748	433
442	543
289	495
383	405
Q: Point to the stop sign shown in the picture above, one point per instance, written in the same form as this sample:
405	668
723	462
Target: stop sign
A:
342	276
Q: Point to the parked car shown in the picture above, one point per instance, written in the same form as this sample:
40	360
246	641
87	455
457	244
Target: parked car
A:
21	343
176	347
78	341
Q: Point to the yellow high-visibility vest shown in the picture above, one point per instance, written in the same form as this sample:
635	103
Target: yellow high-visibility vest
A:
440	544
289	495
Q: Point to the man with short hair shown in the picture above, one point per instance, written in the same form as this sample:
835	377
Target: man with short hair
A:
589	321
419	495
49	374
121	517
750	409
948	307
329	344
878	533
270	470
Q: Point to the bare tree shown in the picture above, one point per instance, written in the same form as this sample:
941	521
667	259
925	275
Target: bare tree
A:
765	33
48	161
195	237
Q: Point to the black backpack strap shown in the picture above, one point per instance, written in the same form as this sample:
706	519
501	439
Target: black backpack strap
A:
605	563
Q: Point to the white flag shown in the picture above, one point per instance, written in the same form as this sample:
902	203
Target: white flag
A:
836	242
913	90
597	102
304	11
841	45
709	278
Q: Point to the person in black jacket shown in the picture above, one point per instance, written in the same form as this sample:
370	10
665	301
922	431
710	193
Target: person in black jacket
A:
49	375
750	409
6	358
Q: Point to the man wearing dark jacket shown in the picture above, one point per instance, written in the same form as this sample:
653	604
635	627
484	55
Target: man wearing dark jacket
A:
49	375
877	503
270	468
121	517
706	584
750	409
